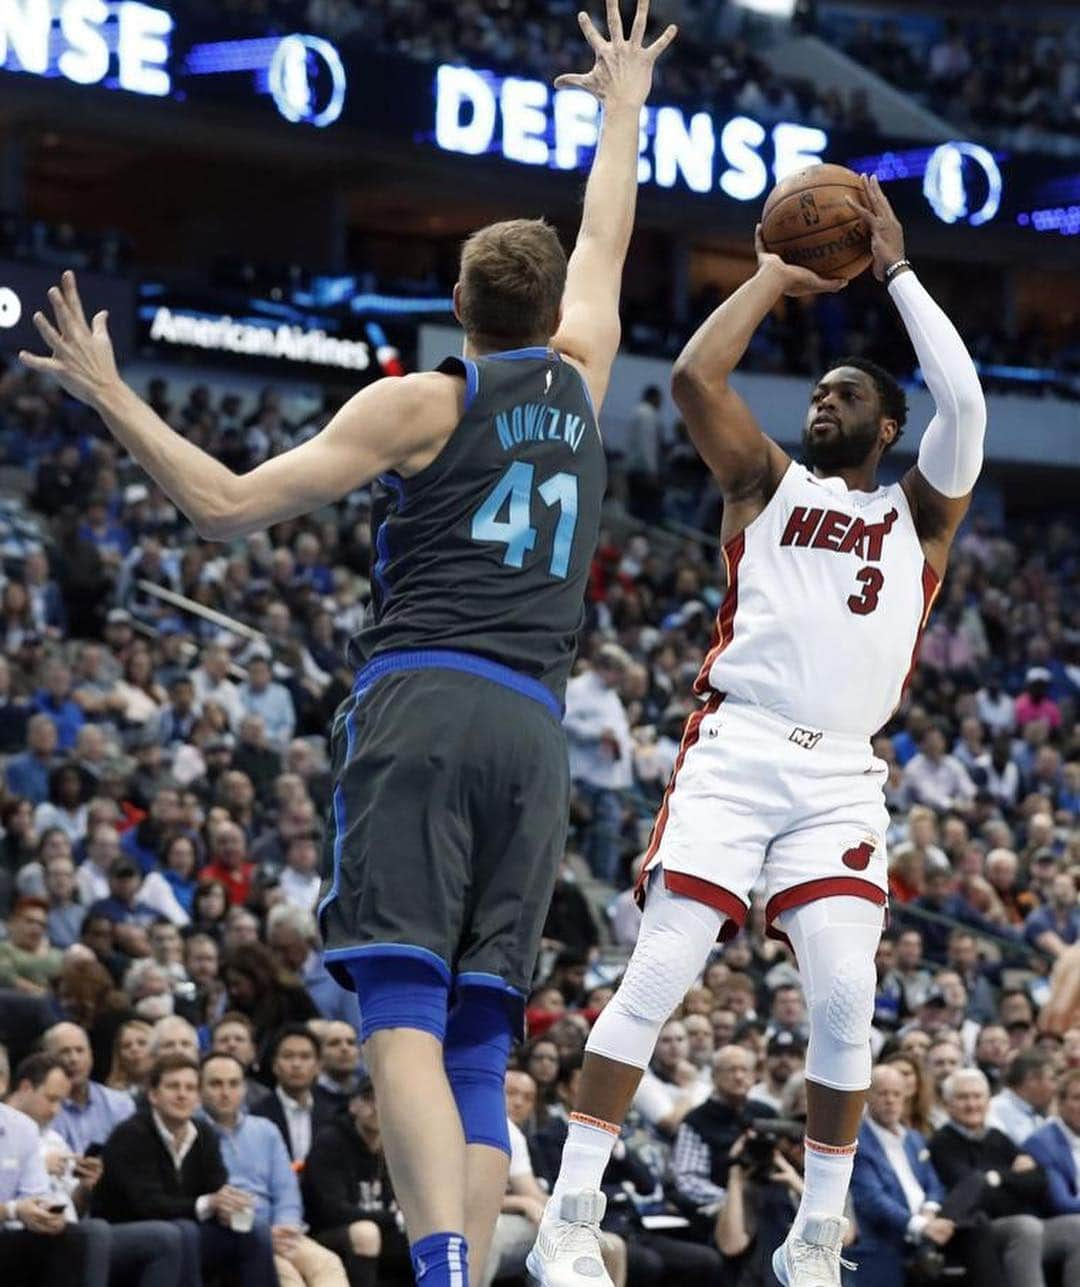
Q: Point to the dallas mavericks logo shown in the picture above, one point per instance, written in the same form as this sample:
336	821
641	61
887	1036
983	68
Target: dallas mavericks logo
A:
962	183
307	79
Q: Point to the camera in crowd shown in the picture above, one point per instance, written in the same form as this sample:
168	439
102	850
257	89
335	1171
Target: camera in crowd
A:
761	1144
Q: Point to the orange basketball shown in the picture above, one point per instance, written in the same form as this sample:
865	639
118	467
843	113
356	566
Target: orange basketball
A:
806	221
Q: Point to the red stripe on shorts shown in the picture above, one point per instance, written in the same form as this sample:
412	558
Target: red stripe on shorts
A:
810	891
725	618
690	736
704	891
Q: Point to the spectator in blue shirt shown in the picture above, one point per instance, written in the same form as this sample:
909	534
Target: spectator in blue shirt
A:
123	906
91	1111
257	1162
261	695
33	1237
28	774
54	699
111	539
1056	1147
1056	926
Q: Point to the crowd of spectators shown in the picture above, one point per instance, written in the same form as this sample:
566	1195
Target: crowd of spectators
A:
164	781
1016	79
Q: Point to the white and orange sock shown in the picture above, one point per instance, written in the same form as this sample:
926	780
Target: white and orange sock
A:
826	1180
586	1153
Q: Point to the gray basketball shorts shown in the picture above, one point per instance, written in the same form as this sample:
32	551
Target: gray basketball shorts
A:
448	819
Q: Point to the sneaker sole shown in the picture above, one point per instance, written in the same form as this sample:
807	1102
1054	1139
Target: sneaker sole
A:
779	1265
534	1263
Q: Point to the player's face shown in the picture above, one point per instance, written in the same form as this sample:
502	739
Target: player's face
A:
843	421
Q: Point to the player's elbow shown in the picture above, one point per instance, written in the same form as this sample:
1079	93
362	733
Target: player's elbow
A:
214	524
968	405
971	408
691	381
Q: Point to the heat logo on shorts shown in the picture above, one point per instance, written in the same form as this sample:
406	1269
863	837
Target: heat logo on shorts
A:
858	859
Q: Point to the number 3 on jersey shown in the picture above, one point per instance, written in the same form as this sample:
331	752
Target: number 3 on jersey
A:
514	492
871	579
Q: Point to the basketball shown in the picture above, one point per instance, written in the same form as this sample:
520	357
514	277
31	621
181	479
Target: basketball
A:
807	221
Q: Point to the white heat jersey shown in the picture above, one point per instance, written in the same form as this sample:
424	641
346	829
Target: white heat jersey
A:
828	593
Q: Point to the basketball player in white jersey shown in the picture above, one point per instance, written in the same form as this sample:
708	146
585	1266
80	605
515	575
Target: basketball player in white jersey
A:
830	582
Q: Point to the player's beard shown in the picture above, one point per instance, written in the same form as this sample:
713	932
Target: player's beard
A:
845	449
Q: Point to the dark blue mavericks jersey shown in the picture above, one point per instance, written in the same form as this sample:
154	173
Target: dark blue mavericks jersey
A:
487	550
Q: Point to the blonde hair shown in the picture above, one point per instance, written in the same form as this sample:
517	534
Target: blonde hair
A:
512	279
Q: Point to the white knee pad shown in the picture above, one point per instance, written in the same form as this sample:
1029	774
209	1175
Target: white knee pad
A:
835	941
673	945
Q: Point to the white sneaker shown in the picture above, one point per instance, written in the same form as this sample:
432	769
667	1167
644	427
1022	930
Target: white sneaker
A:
813	1258
567	1248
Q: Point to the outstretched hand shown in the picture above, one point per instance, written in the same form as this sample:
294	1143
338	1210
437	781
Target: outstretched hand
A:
623	70
82	359
794	280
880	221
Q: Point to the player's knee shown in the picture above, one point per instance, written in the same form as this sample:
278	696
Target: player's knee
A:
397	991
365	1239
479	1034
849	1003
840	1023
661	970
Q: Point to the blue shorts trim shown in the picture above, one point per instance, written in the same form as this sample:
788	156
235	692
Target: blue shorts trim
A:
342	955
388	663
338	806
481	979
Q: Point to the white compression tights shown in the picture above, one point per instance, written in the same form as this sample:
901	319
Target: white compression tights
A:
676	936
835	941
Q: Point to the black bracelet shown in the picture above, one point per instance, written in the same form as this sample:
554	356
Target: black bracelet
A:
894	270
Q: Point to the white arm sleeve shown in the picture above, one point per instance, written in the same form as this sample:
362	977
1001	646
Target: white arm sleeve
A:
951	451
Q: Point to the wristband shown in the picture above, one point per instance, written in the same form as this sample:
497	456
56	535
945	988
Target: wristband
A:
894	270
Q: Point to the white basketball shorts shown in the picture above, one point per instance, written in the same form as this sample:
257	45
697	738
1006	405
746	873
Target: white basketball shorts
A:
754	795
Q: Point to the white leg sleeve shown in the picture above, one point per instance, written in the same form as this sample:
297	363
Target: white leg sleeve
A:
835	940
951	450
674	942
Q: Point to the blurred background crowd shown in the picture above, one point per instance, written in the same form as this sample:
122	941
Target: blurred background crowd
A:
163	709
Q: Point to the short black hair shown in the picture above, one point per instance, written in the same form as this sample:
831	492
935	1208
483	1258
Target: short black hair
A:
288	1030
890	391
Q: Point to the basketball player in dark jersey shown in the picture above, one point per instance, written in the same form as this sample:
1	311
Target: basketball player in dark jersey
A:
449	810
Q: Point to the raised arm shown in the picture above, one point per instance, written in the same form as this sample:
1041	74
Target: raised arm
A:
746	464
385	426
621	79
939	486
